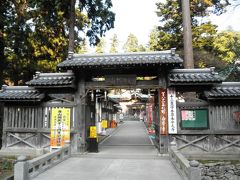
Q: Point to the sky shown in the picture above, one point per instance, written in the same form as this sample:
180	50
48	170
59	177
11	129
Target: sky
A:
139	18
134	16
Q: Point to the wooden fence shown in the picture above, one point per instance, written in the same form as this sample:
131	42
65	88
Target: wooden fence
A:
29	126
222	135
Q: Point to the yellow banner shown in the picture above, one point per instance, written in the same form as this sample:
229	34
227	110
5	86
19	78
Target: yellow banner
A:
93	132
104	123
60	126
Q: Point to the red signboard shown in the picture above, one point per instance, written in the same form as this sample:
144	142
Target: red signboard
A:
163	111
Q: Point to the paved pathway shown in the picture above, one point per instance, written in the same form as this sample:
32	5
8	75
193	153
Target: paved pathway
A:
128	154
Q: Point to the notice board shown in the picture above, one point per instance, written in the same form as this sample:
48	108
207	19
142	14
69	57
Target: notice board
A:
194	119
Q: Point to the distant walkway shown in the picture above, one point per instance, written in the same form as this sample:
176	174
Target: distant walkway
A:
128	154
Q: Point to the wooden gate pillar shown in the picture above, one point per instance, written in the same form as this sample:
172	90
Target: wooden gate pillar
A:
79	137
162	101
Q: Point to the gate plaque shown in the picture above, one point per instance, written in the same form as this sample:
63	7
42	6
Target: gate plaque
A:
116	80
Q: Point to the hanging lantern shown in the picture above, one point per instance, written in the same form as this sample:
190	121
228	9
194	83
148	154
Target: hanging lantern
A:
92	95
105	95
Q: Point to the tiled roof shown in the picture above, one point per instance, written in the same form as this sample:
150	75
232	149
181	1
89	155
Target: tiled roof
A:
226	90
52	80
194	76
120	59
20	93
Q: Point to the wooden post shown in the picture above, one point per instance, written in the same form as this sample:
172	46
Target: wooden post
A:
187	35
5	123
163	139
39	126
79	139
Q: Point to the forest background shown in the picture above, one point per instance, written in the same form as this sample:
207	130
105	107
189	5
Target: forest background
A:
34	34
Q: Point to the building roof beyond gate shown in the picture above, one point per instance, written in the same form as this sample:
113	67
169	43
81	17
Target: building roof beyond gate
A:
120	60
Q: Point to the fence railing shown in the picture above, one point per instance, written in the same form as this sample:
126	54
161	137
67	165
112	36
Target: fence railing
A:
27	169
189	170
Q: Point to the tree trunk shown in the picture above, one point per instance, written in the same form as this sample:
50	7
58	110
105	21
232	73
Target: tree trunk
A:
71	26
187	36
2	44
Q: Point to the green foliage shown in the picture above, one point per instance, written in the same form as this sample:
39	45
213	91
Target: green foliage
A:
206	59
3	21
142	48
114	44
101	19
226	46
210	48
82	47
170	33
100	46
160	40
203	36
34	34
131	44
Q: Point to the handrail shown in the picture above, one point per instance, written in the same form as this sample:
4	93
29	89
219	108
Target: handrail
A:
189	170
27	169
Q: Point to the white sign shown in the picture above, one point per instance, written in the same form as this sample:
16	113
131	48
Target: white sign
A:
172	112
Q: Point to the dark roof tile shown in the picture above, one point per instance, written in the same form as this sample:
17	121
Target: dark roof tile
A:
123	59
226	90
193	76
20	93
52	80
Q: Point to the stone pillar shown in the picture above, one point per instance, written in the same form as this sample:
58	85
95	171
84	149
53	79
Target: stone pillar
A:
194	170
21	169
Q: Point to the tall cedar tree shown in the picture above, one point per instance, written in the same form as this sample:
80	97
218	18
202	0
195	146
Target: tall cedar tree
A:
170	34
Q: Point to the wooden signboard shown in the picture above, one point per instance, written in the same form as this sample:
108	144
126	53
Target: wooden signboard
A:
163	111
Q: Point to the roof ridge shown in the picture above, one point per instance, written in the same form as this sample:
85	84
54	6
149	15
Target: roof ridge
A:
229	84
167	52
198	70
5	87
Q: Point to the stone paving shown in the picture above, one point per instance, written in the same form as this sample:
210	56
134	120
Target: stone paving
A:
127	154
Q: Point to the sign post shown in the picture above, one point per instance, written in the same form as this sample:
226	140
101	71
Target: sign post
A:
93	132
93	141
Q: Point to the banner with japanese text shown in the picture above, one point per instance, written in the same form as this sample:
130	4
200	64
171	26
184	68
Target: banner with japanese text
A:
172	111
163	111
104	123
93	132
60	127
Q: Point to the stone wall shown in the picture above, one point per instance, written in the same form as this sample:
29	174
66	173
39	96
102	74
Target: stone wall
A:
220	170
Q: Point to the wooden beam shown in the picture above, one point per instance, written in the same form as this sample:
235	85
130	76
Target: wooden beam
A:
22	140
152	84
189	143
